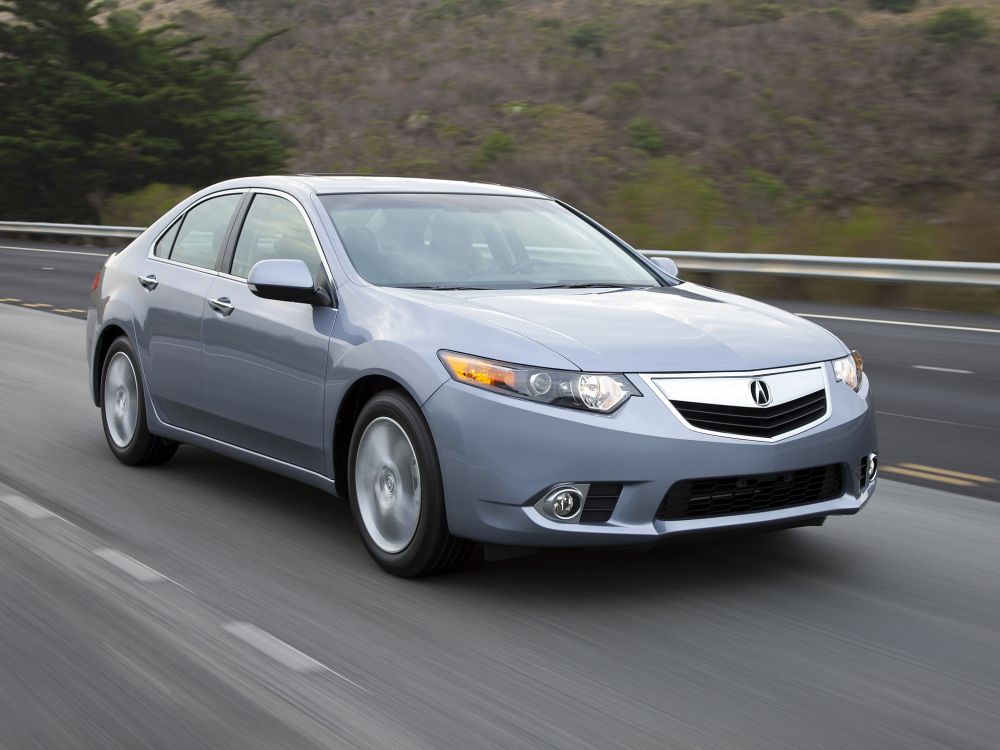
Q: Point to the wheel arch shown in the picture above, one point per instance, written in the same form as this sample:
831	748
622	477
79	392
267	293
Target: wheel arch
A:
357	395
107	337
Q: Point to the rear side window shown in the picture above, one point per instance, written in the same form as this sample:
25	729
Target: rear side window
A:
166	243
203	230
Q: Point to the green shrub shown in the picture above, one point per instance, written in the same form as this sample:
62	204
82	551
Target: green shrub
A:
760	184
956	26
767	12
491	6
893	6
589	36
494	146
670	206
625	92
644	135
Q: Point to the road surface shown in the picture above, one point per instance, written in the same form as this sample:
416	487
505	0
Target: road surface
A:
207	604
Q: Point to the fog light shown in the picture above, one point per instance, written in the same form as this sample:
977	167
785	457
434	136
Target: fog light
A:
872	465
563	503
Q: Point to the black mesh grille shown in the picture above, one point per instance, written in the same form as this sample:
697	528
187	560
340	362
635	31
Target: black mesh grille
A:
601	501
754	421
725	496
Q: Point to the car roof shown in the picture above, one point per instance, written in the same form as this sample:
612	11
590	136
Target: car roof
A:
323	184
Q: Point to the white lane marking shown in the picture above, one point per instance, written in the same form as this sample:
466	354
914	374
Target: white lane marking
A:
942	369
899	323
279	651
49	250
130	565
26	507
48	268
940	421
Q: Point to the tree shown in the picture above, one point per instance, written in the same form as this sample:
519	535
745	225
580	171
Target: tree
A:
956	26
893	6
91	104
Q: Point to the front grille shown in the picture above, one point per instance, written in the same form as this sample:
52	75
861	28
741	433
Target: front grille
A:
754	493
601	501
751	421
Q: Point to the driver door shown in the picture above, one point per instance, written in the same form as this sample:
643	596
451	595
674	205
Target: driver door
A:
265	361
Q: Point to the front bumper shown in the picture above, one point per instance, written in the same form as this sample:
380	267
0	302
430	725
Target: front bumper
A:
499	454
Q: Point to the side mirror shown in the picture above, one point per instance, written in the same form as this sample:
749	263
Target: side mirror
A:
666	265
285	280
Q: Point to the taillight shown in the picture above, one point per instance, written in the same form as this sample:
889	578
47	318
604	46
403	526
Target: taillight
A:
97	282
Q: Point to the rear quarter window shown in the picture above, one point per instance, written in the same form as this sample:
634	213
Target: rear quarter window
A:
166	241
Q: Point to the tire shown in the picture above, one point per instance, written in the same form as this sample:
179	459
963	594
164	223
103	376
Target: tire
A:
124	418
400	513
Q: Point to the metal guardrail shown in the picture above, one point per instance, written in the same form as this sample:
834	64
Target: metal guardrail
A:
808	266
834	267
97	231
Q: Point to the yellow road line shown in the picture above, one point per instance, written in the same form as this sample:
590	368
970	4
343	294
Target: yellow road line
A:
950	473
926	475
36	304
9	299
67	310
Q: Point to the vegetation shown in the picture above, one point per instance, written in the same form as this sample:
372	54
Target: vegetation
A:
893	6
789	126
956	26
93	105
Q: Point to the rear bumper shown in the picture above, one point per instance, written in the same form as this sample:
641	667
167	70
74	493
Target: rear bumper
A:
499	454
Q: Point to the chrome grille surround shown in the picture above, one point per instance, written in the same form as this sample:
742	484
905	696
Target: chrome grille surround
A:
732	389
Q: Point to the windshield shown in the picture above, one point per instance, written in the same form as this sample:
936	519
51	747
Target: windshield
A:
443	241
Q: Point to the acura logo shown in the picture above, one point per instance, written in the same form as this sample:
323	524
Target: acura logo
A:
760	393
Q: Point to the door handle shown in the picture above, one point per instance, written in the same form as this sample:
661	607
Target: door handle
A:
149	281
222	305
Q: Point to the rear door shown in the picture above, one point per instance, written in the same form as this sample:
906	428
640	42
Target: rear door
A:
265	361
173	283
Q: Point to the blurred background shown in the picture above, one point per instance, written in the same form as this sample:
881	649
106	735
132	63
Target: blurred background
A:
210	604
861	128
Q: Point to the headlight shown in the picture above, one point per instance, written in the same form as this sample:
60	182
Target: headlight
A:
599	392
848	370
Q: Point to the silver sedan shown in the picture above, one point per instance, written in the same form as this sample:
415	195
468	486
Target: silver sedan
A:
470	363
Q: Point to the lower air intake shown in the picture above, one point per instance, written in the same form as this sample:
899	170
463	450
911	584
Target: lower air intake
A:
752	493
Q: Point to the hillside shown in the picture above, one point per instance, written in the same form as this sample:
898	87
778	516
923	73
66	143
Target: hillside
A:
701	123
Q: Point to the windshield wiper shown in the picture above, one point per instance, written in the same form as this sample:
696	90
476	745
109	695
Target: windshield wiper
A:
441	287
594	285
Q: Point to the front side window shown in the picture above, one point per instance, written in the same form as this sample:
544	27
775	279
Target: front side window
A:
477	241
274	228
203	230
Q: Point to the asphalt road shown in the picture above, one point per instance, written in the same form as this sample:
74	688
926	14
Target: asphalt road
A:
209	604
935	380
48	276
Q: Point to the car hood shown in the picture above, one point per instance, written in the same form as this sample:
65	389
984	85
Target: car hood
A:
684	328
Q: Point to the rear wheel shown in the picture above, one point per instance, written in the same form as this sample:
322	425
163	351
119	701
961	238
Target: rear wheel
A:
395	489
123	410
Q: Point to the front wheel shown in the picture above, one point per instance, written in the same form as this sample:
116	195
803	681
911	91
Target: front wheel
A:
123	410
395	489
